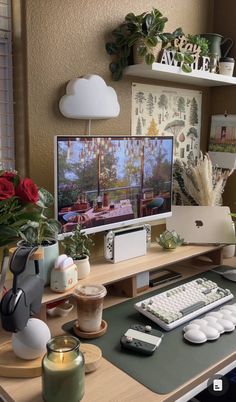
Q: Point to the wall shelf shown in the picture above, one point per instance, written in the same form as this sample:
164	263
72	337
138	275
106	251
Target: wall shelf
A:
165	72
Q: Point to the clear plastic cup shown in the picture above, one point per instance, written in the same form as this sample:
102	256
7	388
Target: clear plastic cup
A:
89	306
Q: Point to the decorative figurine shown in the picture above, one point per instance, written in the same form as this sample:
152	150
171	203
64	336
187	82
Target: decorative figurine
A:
169	240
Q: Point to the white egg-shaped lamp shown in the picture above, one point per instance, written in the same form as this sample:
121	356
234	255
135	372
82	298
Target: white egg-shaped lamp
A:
30	343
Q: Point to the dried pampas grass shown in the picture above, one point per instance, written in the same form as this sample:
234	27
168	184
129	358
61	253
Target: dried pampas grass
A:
198	182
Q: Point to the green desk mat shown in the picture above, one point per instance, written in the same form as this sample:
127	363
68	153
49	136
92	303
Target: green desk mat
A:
176	361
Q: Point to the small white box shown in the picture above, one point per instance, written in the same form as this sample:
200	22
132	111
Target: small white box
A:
129	244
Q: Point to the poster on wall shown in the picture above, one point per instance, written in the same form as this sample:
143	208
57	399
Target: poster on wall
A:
222	142
160	110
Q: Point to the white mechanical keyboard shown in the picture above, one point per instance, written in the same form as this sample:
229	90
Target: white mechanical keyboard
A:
183	303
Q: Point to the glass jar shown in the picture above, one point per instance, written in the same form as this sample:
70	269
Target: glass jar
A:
63	370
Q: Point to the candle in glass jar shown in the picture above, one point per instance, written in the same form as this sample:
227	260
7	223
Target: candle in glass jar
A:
63	370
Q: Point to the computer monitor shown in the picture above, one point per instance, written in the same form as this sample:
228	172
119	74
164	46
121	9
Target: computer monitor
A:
105	182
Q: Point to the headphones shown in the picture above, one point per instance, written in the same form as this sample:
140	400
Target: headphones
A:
19	303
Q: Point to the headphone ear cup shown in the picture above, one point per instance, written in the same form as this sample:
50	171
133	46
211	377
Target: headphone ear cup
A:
4	306
16	319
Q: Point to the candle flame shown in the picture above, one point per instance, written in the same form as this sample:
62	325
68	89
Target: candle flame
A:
61	356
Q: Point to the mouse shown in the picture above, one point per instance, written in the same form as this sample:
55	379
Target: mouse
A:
230	274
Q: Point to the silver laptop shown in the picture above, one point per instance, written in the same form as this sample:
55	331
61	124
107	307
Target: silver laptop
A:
202	225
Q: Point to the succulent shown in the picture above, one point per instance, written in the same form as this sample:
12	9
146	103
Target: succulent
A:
170	240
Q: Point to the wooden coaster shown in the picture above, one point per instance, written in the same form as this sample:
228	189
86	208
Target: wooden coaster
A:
13	366
92	356
90	335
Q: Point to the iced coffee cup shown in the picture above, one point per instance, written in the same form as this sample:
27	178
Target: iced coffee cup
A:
89	300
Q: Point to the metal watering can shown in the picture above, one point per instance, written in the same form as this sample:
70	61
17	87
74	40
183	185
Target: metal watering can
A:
216	41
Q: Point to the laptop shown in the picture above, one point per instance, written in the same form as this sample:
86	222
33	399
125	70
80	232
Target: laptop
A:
202	224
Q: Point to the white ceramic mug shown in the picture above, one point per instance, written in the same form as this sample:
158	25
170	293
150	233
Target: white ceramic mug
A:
226	66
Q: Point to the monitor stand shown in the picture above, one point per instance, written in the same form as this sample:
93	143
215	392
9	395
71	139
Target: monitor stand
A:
126	243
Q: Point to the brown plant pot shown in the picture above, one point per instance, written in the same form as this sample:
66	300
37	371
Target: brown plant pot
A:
141	59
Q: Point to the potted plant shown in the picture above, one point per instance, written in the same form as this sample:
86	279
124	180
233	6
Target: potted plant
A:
146	30
199	41
77	246
184	56
42	232
24	210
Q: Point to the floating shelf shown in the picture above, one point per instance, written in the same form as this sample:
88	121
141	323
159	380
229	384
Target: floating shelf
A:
165	72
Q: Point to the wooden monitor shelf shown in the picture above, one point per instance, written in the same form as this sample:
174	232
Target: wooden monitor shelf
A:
123	274
108	376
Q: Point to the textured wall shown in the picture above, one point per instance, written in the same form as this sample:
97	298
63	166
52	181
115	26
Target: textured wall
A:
65	39
223	98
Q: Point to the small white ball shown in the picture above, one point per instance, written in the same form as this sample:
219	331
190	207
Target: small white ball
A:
30	343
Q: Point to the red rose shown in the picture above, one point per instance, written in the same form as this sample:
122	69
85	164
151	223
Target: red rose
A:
6	189
8	175
27	190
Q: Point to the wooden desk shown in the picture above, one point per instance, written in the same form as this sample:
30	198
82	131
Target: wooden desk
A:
108	383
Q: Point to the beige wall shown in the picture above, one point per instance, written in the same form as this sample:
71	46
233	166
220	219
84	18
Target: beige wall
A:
224	98
64	39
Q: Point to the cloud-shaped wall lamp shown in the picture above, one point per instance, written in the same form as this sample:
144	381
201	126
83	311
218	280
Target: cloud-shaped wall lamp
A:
90	98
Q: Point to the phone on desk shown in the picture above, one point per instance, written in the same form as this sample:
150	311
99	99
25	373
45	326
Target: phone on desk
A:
162	276
141	339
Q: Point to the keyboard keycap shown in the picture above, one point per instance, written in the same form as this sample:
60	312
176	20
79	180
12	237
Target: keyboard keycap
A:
183	303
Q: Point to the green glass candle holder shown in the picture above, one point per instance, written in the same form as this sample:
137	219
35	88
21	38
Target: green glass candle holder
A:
63	370
170	240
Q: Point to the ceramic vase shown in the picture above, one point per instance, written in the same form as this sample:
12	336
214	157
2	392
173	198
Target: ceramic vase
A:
51	252
229	251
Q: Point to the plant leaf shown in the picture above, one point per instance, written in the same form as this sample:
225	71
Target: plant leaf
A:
111	48
179	57
188	58
186	68
149	58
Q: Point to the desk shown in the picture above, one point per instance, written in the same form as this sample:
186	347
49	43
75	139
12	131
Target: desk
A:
108	383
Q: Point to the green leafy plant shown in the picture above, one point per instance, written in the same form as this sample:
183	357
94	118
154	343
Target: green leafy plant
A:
199	41
24	211
186	57
147	29
77	245
44	230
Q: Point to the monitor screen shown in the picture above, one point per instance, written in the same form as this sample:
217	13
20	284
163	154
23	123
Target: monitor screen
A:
110	182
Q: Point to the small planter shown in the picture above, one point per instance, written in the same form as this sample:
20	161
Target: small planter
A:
141	59
83	267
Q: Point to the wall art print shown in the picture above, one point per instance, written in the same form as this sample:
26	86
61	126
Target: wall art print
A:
164	111
223	133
